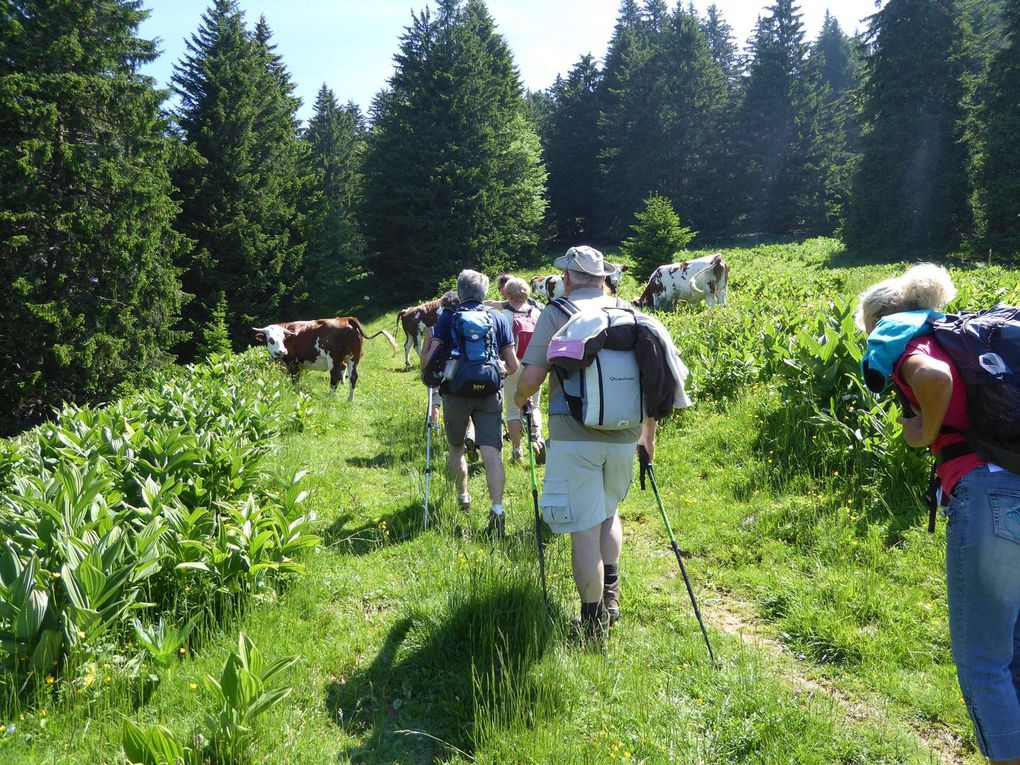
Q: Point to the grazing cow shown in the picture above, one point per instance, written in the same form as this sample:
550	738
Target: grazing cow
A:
551	287
548	287
323	345
415	321
700	279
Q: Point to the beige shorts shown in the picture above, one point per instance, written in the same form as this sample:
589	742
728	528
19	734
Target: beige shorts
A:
584	483
513	412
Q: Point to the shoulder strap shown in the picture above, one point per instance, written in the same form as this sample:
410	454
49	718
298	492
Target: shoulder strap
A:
568	306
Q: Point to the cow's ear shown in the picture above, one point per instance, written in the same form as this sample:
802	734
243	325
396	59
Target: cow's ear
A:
624	267
289	331
260	337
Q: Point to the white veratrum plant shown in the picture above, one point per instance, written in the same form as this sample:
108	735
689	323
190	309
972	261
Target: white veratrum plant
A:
31	636
103	511
240	695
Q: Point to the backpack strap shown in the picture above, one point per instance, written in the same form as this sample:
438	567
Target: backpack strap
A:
568	306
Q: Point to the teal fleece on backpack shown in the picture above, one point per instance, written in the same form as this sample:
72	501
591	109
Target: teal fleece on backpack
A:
887	343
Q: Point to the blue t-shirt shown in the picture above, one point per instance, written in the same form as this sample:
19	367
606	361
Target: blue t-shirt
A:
443	331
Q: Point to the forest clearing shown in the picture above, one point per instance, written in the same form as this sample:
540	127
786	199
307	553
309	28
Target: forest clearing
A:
801	527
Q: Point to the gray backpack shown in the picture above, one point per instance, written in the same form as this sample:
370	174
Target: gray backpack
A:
593	358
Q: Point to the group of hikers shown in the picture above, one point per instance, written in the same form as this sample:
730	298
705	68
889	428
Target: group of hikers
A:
953	376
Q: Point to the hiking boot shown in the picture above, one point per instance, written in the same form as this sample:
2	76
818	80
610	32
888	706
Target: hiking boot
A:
497	525
611	600
464	503
591	633
539	447
517	457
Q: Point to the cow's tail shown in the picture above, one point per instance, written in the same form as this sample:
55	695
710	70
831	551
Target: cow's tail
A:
383	332
400	315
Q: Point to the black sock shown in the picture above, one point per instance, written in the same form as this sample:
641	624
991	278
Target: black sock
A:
612	575
590	611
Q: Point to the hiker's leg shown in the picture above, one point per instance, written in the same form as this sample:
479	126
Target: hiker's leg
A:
982	558
611	540
488	420
586	560
495	475
456	414
513	413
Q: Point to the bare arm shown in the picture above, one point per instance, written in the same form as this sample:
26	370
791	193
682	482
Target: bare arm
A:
647	438
509	356
531	380
932	383
430	346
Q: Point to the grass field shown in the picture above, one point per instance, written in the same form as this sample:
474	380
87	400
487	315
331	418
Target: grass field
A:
823	597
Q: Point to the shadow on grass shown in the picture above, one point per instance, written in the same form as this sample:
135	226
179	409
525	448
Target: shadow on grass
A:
381	460
357	536
440	686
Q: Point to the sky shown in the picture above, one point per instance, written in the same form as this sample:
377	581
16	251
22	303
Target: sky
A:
349	44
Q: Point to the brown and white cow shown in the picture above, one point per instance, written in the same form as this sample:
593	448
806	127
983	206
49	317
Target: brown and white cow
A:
551	287
415	320
691	281
323	345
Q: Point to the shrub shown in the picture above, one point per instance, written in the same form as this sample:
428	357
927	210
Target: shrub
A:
657	236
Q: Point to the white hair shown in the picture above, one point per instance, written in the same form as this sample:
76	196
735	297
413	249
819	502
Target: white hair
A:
925	286
472	285
517	288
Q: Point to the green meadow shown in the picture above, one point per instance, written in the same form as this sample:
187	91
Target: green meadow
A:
295	518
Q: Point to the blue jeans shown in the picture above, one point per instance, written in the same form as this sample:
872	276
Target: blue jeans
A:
983	583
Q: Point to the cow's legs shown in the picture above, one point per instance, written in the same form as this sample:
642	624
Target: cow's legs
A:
409	343
336	376
354	378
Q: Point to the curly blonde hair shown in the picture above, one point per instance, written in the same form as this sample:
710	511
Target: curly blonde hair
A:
925	286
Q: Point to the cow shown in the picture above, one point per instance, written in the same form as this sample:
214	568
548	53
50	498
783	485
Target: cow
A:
551	287
415	320
548	287
323	345
691	281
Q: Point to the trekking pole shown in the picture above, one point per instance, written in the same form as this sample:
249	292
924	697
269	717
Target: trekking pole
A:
646	467
428	456
526	411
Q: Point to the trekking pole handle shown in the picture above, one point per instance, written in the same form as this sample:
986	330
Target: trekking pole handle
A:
645	463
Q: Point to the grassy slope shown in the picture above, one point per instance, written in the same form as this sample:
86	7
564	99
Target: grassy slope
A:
419	646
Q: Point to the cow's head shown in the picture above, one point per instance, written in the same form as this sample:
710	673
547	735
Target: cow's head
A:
613	279
273	336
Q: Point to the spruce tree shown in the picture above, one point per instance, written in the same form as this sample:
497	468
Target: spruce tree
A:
693	121
572	152
909	190
453	173
656	237
833	55
720	44
779	141
999	178
91	296
334	258
240	186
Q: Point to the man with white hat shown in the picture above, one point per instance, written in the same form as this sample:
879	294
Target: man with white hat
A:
588	471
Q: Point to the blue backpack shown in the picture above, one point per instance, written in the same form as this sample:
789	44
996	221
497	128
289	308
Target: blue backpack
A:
476	370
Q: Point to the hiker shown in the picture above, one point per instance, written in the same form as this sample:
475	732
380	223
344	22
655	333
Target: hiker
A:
983	533
522	315
479	346
588	471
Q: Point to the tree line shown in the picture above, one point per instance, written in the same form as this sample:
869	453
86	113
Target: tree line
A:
134	234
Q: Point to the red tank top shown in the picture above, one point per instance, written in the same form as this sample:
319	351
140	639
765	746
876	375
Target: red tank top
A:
956	415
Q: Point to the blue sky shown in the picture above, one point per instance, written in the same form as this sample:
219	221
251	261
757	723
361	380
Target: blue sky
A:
349	44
